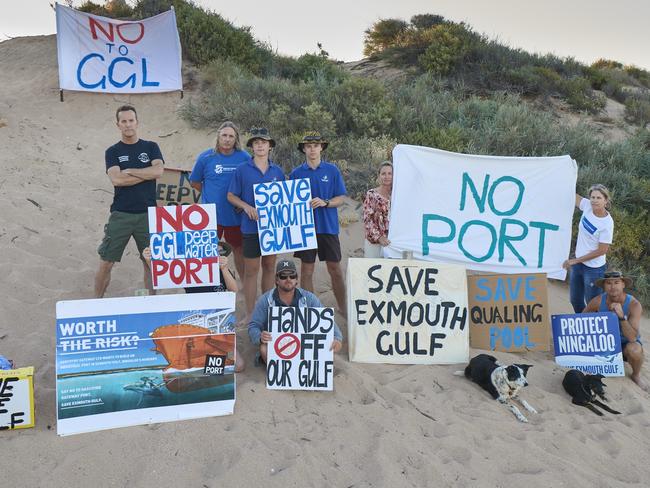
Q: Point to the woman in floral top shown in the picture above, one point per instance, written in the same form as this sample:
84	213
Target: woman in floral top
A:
375	212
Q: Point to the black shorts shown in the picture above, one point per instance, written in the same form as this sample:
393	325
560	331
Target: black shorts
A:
251	244
329	249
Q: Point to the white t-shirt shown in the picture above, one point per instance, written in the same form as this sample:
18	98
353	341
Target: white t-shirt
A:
593	230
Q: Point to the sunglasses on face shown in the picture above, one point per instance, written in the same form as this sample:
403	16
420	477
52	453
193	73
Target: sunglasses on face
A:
284	276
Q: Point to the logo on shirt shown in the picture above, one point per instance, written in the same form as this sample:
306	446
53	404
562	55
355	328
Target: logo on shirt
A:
144	158
123	159
588	226
325	179
218	169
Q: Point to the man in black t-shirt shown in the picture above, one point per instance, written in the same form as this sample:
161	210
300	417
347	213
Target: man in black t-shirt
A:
132	165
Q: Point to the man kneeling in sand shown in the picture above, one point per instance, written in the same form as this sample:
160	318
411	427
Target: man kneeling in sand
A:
285	294
628	310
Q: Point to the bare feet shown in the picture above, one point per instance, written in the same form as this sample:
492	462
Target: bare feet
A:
642	384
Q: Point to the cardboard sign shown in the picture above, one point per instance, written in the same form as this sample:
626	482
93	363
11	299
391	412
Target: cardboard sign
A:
407	312
17	398
105	55
174	188
509	312
299	355
489	213
138	360
184	246
286	220
589	342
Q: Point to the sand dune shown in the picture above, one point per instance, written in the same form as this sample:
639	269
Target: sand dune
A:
384	426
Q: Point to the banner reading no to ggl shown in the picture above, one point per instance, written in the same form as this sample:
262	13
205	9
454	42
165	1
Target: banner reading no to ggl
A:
499	214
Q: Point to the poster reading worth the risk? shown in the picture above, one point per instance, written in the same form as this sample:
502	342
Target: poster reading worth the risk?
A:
299	356
139	360
184	246
285	218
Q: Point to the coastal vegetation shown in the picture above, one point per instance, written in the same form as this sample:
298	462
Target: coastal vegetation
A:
460	91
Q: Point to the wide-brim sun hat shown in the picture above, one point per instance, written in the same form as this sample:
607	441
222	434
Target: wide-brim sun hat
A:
611	275
312	137
259	133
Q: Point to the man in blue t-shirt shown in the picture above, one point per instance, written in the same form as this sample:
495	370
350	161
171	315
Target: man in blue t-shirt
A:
211	176
240	194
132	165
327	191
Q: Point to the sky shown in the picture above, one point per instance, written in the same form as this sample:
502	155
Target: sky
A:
584	29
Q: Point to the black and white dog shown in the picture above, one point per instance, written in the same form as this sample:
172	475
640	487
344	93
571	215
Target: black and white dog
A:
502	382
585	390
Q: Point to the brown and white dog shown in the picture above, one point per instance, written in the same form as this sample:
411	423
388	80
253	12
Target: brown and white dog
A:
502	382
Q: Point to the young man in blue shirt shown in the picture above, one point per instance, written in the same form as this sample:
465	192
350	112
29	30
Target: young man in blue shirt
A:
240	194
211	176
327	191
132	165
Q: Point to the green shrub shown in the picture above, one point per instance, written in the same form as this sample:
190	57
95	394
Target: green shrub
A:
382	35
448	46
637	109
580	96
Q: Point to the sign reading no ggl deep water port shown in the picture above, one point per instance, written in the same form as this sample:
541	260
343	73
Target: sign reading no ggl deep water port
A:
184	246
114	56
498	214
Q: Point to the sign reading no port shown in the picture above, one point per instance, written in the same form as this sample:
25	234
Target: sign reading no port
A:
287	346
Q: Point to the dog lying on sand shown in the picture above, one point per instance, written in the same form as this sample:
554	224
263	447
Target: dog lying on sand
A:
502	382
585	390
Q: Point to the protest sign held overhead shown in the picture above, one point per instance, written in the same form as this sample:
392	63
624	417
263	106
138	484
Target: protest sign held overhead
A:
589	342
299	356
17	398
184	246
509	312
286	220
173	188
407	312
105	55
138	360
498	214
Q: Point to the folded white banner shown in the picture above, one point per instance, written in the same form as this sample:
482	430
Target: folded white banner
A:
105	55
499	214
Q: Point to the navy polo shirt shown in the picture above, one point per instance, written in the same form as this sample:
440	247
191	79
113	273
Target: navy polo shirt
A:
326	183
214	171
246	175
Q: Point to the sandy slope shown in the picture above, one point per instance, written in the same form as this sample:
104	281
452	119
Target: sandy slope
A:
384	425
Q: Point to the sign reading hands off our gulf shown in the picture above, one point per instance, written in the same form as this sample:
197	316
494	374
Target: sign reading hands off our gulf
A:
117	56
499	214
407	312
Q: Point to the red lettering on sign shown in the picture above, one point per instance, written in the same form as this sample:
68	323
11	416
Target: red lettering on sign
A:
108	29
182	218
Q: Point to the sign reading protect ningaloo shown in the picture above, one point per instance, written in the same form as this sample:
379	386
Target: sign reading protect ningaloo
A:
498	214
589	342
138	360
407	312
105	55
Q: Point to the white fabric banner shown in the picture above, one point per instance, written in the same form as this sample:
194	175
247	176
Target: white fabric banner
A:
407	312
499	214
105	55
